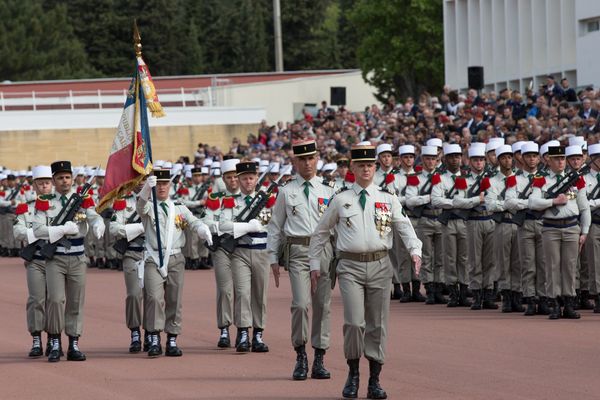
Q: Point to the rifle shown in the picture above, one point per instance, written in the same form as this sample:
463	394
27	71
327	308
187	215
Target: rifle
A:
594	194
262	178
463	214
227	242
11	197
499	215
519	217
122	244
70	209
556	190
425	190
199	194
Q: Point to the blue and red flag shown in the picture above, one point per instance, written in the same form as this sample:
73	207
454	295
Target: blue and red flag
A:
130	156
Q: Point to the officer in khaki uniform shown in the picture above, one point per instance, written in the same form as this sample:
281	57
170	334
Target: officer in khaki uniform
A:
36	269
449	194
300	205
566	223
126	225
364	217
249	264
529	235
215	203
429	230
592	243
164	285
66	271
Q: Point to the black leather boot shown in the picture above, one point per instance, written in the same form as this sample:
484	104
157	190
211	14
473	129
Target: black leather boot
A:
258	345
55	353
463	301
204	263
374	390
476	300
188	263
516	304
318	368
489	300
506	301
430	291
416	292
49	346
406	295
453	289
351	387
36	346
554	309
100	264
301	368
569	310
438	293
530	306
155	348
584	302
147	340
597	307
543	308
171	349
74	354
136	341
243	341
224	340
397	293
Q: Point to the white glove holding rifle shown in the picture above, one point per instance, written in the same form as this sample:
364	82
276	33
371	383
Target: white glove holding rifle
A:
146	191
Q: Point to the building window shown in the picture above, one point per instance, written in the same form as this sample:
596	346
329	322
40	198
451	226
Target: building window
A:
593	26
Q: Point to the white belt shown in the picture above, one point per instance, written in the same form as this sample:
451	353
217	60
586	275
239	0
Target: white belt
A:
72	249
172	253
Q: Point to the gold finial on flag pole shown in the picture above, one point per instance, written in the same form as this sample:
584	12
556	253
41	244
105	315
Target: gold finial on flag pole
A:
137	39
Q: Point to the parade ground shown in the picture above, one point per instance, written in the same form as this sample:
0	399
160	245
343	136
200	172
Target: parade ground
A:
433	352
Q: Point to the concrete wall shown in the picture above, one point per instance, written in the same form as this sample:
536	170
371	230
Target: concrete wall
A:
21	149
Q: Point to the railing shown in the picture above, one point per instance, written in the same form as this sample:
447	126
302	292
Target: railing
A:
99	99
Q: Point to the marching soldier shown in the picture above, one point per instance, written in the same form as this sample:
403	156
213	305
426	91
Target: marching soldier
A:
9	198
450	194
215	205
529	234
506	247
163	282
341	172
300	205
249	264
363	217
592	243
428	229
194	198
66	270
36	271
127	229
566	223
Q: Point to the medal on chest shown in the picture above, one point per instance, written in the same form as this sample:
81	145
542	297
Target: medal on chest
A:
323	203
383	218
265	216
79	217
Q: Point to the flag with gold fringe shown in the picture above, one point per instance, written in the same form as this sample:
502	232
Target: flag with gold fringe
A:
130	156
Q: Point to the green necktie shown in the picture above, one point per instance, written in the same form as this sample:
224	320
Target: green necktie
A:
248	200
306	188
559	178
363	198
63	200
164	207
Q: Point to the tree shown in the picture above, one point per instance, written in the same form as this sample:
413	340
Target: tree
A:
36	45
400	45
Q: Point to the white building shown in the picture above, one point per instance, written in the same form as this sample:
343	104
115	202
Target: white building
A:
520	42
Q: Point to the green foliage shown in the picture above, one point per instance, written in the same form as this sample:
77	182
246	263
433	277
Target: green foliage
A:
400	49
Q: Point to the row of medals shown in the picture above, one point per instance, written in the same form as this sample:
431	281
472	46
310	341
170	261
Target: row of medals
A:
383	221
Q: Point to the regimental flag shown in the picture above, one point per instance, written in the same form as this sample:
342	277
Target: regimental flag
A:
131	153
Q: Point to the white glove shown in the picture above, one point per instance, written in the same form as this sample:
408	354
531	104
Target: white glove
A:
510	204
99	231
133	230
147	189
204	233
255	226
71	228
55	233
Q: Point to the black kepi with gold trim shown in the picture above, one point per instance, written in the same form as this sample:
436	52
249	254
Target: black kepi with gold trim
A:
304	148
247	167
61	166
196	171
162	175
556	151
363	153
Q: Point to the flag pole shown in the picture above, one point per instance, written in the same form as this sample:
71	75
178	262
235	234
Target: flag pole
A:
137	46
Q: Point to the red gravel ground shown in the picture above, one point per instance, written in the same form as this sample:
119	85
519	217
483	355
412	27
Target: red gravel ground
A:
433	352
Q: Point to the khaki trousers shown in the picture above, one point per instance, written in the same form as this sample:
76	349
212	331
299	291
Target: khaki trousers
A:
299	273
65	281
531	252
224	280
7	236
506	251
406	272
560	253
250	270
134	294
454	242
163	297
365	289
429	231
592	251
481	246
36	300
